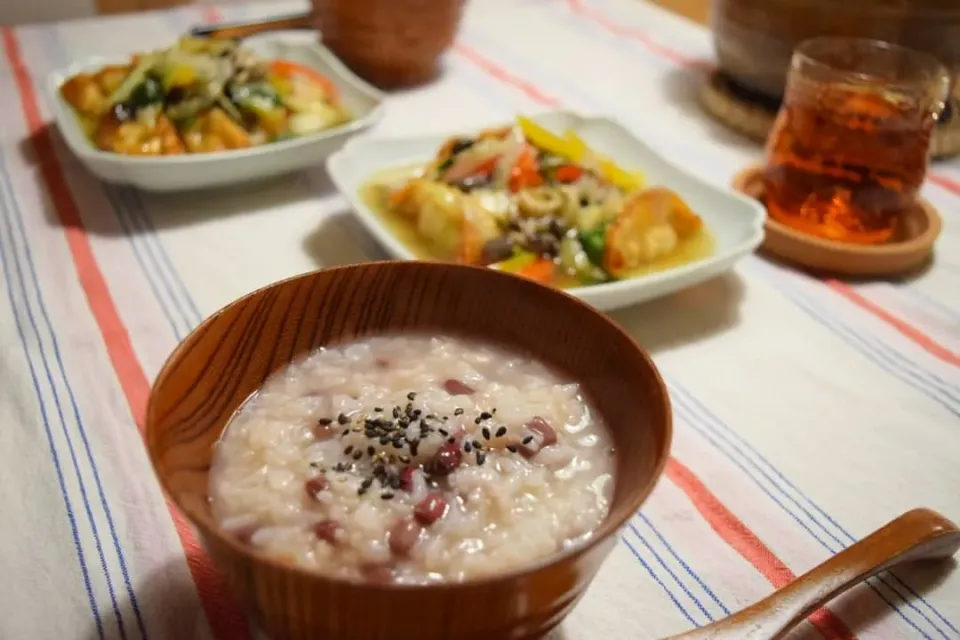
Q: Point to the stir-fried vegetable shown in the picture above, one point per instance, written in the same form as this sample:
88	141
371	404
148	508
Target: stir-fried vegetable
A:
214	95
544	206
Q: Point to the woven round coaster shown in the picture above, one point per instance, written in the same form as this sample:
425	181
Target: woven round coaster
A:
918	231
752	114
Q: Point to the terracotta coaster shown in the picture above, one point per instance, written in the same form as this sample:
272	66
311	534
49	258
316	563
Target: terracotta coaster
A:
919	230
753	116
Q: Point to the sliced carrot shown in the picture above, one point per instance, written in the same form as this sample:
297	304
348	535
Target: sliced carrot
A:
541	271
569	173
526	172
487	167
288	69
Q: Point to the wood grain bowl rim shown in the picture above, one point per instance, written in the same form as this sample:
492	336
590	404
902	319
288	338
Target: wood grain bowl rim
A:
745	181
614	522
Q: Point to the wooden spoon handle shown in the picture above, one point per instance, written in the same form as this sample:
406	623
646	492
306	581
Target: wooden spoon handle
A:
241	30
916	535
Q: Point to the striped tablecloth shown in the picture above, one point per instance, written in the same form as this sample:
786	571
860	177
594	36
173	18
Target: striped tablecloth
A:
808	411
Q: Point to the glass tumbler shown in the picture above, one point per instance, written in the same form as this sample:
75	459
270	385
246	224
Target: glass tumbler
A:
850	146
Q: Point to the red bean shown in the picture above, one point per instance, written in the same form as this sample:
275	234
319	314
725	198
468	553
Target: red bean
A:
404	536
328	530
543	436
406	479
430	509
457	388
548	435
380	573
445	460
315	485
323	432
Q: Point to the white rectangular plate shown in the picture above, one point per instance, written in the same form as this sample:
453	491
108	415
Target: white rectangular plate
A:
735	220
204	170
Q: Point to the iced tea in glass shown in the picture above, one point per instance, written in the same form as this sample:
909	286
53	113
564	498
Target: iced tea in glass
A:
850	146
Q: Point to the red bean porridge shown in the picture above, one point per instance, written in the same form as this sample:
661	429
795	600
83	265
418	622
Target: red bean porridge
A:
413	459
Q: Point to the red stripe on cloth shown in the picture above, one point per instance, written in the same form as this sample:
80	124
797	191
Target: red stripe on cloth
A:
596	16
211	14
945	182
736	534
905	329
499	73
226	620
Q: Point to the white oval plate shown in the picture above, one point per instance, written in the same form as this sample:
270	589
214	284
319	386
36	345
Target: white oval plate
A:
205	170
735	220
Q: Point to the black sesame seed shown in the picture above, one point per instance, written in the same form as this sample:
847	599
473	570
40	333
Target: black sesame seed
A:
357	454
370	433
494	410
324	421
443	432
371	451
527	440
458	411
512	448
414	447
345	432
468	447
398	444
396	412
451	439
481	457
348	450
502	431
386	495
366	483
343	419
411	396
385	440
486	415
477	445
361	491
378	409
430	416
416	414
476	420
486	433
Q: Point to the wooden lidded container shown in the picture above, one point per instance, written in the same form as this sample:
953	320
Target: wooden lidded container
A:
754	39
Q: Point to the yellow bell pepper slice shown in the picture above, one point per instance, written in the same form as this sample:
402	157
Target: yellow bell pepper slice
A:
542	138
610	170
573	148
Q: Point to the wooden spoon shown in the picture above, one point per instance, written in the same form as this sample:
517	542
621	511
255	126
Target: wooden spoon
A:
920	534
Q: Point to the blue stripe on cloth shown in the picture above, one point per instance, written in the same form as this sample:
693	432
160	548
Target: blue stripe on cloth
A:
682	411
54	454
683	587
81	429
683	564
910	377
699	413
657	579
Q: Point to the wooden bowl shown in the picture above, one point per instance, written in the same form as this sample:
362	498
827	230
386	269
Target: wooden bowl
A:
391	43
754	39
919	229
231	354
